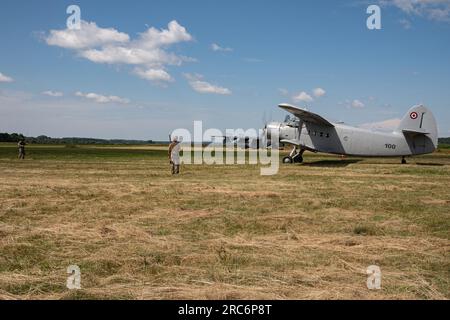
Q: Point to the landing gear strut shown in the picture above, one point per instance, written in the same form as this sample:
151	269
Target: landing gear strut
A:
403	160
295	156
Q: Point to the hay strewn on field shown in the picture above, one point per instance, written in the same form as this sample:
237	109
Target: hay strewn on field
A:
221	232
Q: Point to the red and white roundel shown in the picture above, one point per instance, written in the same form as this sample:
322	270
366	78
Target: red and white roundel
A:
414	115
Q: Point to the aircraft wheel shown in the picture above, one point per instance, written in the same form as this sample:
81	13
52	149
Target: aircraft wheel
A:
298	159
287	159
403	161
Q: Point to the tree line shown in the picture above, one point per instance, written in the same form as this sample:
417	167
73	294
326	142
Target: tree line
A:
16	137
444	140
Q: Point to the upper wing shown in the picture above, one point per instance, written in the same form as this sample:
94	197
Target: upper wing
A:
305	115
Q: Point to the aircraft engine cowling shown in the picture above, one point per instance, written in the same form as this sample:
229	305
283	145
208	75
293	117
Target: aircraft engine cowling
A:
269	130
288	132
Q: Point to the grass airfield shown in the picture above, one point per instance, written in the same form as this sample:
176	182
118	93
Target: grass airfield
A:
224	231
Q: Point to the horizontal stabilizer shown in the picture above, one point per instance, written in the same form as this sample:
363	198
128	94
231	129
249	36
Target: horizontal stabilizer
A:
412	132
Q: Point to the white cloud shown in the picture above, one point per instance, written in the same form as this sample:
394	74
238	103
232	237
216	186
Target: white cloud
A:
439	14
406	24
51	93
198	84
101	98
386	125
88	36
131	55
154	38
4	78
302	97
157	75
437	10
149	51
357	104
216	47
283	91
318	92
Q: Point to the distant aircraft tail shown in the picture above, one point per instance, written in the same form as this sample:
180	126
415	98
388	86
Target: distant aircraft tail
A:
419	123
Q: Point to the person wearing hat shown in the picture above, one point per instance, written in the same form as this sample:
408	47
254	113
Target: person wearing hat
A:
174	155
21	146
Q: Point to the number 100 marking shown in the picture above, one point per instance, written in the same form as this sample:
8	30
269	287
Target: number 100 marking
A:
390	146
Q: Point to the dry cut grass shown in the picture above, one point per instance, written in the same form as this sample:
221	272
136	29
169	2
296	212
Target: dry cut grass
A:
222	232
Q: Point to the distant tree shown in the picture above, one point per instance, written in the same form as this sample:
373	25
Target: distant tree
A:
13	137
5	137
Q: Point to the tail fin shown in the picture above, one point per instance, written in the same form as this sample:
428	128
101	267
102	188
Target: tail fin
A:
419	120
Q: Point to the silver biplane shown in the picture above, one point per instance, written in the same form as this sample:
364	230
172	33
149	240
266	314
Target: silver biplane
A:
417	134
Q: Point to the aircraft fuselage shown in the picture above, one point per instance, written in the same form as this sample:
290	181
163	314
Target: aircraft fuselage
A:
347	140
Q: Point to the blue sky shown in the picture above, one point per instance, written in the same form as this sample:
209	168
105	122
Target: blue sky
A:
139	69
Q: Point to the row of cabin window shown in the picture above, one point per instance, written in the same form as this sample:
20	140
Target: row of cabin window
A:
314	133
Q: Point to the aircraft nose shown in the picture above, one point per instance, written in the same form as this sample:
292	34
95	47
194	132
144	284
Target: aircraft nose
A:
269	130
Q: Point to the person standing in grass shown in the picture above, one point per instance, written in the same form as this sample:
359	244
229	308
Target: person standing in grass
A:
21	146
174	155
